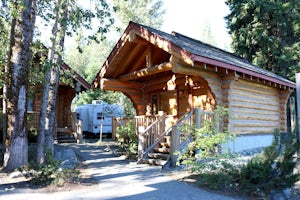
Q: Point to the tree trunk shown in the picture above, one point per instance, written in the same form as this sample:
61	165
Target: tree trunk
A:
48	111
19	60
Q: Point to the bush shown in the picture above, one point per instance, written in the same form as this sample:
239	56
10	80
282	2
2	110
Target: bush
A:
272	170
128	140
264	174
206	140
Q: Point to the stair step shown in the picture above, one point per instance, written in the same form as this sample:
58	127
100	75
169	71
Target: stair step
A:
66	139
157	162
165	144
162	150
158	155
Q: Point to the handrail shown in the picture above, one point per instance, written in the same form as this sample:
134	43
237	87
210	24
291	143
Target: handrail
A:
155	143
154	123
150	137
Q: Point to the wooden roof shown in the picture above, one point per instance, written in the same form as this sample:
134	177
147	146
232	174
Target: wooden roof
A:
142	44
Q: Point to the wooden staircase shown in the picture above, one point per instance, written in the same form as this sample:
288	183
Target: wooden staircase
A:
65	135
157	142
160	154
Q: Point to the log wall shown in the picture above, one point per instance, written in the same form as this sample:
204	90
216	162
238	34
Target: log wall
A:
254	108
63	107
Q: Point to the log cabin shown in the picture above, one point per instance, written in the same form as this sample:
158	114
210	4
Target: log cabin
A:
66	122
173	74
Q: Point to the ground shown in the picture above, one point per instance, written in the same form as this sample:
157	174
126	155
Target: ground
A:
83	182
86	182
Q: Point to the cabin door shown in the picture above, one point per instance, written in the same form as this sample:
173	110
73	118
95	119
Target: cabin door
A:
164	101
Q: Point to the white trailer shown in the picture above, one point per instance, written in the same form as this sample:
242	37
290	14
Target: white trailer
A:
97	117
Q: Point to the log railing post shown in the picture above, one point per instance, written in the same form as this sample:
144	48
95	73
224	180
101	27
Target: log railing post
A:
175	142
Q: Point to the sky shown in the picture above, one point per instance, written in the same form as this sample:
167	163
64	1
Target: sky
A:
188	17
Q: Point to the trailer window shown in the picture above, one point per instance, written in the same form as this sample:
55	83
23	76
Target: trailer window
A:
100	116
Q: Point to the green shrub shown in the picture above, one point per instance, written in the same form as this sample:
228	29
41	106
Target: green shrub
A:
128	140
206	140
215	181
272	170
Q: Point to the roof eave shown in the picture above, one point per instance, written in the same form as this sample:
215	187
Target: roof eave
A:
287	83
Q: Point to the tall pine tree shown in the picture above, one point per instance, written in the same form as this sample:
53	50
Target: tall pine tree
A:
267	32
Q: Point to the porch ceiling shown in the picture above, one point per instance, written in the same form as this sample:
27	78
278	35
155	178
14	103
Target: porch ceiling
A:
133	56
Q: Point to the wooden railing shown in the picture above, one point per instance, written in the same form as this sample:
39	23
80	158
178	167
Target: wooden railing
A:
150	130
141	123
151	136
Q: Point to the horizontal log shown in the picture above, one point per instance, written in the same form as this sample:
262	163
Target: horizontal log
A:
262	101
118	83
256	89
254	93
122	89
146	72
256	123
253	116
253	110
252	84
255	131
254	106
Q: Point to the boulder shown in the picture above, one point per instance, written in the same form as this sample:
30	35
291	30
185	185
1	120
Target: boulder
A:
68	158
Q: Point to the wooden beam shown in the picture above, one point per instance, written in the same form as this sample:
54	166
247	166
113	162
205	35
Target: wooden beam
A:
122	86
146	72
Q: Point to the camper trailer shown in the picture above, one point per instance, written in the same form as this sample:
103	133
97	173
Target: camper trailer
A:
97	117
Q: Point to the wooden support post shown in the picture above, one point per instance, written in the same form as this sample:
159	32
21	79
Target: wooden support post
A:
175	142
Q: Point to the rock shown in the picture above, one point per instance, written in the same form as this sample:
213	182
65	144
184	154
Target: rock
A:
16	174
68	158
